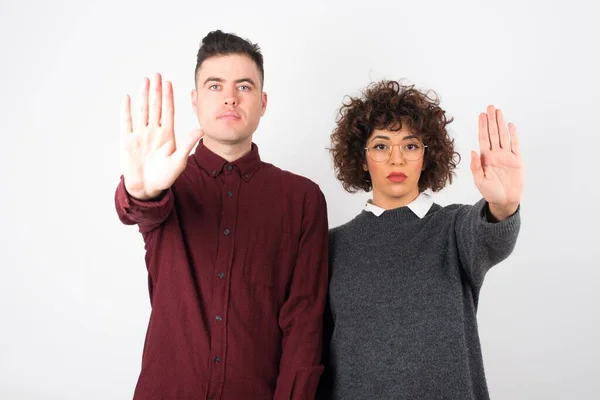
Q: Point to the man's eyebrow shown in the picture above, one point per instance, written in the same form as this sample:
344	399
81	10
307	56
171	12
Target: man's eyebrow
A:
213	79
221	80
246	80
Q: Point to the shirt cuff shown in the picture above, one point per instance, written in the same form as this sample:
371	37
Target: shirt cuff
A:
306	381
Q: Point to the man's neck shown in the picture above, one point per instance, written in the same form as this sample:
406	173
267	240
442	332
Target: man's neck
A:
230	152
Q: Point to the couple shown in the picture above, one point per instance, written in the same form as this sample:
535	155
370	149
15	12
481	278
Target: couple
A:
253	297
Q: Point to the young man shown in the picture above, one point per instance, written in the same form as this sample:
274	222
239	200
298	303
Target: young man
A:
236	248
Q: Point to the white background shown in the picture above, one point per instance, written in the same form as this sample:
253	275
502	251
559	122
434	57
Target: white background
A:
73	291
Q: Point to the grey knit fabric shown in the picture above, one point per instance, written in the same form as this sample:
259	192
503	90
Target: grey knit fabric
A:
403	302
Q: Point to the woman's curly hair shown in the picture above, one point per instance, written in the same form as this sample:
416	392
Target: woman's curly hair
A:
390	105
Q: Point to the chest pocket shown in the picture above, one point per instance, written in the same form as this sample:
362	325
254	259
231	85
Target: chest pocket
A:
267	258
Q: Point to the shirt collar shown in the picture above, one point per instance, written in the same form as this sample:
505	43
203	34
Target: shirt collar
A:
419	206
215	165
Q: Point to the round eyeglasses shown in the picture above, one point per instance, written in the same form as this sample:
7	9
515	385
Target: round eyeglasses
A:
380	150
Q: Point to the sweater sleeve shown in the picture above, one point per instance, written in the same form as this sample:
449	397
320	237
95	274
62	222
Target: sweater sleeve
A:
482	242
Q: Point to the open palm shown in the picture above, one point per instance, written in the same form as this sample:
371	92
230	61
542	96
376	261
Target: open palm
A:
151	157
498	169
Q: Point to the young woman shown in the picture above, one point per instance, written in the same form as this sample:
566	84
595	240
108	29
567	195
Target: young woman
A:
406	273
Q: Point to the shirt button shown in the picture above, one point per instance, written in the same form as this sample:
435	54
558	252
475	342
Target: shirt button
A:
229	167
219	318
229	194
226	232
217	359
246	175
221	275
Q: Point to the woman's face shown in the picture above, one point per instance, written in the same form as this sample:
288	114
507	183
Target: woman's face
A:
395	162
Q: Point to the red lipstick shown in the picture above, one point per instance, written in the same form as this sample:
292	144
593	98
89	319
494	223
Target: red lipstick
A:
397	177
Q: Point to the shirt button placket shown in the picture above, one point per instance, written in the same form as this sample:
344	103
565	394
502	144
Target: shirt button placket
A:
222	285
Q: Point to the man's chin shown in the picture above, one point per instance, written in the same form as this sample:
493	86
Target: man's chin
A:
229	138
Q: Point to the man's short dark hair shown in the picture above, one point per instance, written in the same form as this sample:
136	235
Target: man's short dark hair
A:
219	43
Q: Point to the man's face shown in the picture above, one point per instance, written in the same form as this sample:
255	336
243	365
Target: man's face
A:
228	99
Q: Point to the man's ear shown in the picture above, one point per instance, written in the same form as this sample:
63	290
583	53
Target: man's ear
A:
194	99
264	99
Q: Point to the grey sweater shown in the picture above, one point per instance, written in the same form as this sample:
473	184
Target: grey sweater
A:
401	321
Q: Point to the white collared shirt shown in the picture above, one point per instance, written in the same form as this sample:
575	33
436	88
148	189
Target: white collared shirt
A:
420	206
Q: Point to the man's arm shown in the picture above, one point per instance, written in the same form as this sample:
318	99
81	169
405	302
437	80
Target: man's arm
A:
151	159
147	214
301	317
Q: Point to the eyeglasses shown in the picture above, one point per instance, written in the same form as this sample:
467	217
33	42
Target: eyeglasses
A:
380	150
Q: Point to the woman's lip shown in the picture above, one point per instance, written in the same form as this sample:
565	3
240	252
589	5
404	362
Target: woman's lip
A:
397	177
397	174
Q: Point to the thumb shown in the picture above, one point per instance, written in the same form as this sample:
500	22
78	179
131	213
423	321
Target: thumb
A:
476	167
194	136
188	142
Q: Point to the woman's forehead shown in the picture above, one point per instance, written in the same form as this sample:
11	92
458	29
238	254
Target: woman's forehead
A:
386	134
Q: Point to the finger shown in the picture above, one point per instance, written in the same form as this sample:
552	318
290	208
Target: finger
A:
476	167
186	144
503	131
143	115
126	123
156	100
168	109
514	139
484	137
493	128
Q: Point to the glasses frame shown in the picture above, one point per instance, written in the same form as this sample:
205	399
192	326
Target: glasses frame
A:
392	149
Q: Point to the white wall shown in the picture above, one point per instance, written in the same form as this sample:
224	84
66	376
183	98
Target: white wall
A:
73	295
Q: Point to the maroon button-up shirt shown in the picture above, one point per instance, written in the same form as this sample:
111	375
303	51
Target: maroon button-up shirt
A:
237	265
